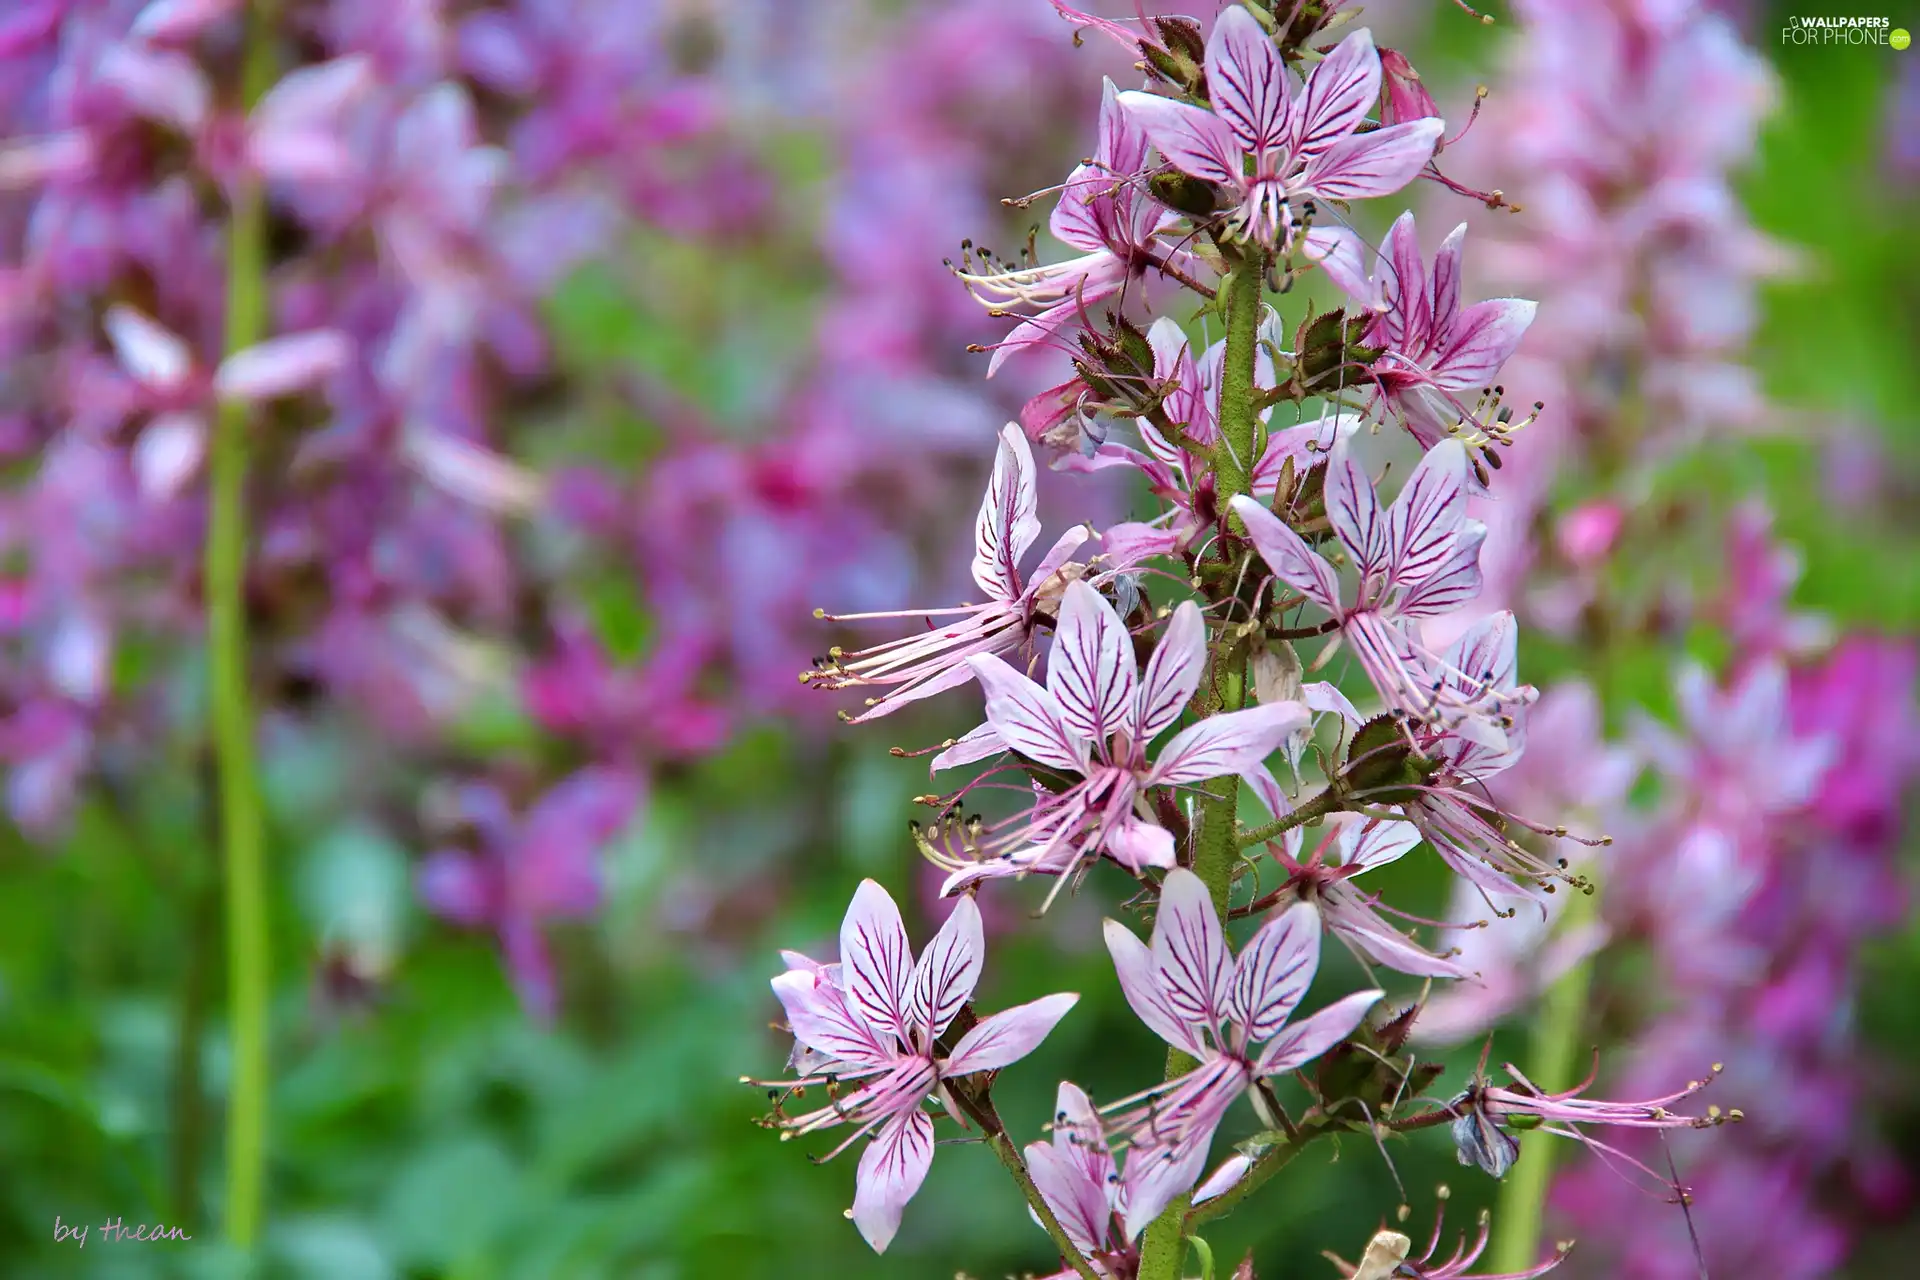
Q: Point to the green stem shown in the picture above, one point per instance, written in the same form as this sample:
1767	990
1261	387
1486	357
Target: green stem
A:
1003	1147
1239	420
1556	1044
241	824
1319	807
1216	847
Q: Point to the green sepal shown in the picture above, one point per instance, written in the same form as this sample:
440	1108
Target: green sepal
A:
1185	194
1382	765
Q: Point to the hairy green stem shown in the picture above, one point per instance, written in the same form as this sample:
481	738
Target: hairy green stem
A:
1004	1148
1556	1043
1320	806
1216	848
1239	419
241	824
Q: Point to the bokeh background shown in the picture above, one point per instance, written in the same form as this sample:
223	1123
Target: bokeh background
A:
653	353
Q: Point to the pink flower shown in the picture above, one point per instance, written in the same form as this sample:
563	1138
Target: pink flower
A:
878	1022
175	393
1302	146
1105	213
1353	845
1077	1176
530	870
1862	695
923	665
1468	829
1093	721
297	133
1079	1179
1406	96
1190	991
1737	760
1480	1140
1417	559
1440	361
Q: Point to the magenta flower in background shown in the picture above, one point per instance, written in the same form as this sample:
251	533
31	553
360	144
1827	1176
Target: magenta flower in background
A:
174	439
1230	1015
526	871
1736	759
1302	145
879	1024
628	713
1859	699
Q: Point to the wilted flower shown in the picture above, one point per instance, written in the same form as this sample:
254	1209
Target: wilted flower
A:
1485	1112
1389	1256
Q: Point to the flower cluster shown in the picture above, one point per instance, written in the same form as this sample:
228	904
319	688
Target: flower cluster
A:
1749	886
1277	532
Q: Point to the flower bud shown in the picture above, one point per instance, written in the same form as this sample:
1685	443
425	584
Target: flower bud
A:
1381	764
1184	194
1181	59
1326	345
1403	97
